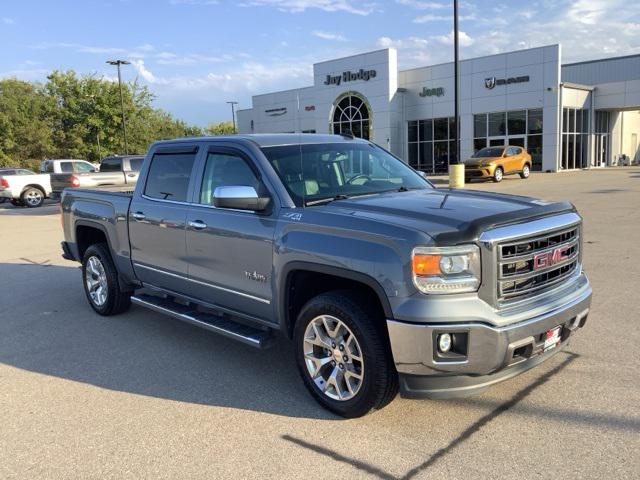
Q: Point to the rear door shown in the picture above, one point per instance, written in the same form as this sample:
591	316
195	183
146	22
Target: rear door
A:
230	252
157	218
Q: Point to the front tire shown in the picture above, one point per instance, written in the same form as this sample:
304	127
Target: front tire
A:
101	284
526	171
32	197
498	175
343	356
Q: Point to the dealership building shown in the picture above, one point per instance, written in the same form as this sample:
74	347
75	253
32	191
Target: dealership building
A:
568	116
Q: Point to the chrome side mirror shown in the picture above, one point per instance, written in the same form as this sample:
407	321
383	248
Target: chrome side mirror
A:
240	197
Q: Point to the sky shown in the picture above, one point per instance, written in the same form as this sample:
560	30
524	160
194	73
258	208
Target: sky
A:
197	54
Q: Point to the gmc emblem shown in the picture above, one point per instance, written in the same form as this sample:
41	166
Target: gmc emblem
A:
547	259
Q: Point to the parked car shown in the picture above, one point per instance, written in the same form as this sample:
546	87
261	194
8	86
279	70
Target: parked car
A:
382	281
496	162
113	171
24	187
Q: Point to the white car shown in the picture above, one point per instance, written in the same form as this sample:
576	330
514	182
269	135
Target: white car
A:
23	187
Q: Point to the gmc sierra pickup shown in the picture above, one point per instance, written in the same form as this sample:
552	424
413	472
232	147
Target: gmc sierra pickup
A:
382	281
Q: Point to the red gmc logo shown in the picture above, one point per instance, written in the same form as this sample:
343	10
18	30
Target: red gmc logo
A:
547	259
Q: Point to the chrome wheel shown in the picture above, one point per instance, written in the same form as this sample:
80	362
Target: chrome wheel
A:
96	281
333	357
526	171
33	197
498	175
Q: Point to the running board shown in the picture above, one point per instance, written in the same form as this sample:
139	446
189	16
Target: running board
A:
219	324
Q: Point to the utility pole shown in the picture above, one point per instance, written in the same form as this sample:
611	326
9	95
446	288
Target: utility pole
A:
124	126
233	114
456	168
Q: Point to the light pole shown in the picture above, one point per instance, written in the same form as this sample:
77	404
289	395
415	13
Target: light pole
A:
233	114
456	168
124	127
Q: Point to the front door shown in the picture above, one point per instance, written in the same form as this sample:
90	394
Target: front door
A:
157	219
230	252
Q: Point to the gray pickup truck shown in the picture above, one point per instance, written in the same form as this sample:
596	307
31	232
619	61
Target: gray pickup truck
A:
114	171
382	281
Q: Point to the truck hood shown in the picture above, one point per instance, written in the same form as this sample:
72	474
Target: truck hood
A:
449	216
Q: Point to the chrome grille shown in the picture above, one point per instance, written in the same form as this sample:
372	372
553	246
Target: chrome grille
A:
521	271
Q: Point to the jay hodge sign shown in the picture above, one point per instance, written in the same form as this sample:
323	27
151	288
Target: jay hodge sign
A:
350	77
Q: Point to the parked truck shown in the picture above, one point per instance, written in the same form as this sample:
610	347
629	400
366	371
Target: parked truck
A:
381	281
113	171
23	187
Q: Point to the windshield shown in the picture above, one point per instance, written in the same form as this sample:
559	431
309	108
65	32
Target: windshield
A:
318	173
489	152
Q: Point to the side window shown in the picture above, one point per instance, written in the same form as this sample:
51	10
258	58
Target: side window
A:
83	167
136	164
66	167
168	177
47	167
110	165
225	169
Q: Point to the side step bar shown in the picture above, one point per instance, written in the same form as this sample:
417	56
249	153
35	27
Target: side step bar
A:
219	324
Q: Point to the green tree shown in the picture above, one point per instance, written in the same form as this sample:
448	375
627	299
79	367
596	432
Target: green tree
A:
222	128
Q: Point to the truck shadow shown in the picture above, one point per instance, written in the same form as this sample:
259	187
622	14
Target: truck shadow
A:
47	327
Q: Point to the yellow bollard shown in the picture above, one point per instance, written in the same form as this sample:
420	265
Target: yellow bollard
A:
456	176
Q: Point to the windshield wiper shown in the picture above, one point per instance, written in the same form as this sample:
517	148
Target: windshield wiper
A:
340	196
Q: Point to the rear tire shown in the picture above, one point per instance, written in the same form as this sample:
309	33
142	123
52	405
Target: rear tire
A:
101	284
351	372
498	175
32	197
526	171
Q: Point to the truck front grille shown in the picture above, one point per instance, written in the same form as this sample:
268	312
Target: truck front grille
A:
529	267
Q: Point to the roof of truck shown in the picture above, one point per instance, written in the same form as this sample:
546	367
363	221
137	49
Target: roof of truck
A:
273	139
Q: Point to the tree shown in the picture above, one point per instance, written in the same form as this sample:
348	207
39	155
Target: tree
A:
222	128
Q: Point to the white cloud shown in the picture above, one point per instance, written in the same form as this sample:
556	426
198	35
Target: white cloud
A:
194	2
145	73
422	5
8	21
464	39
329	35
296	6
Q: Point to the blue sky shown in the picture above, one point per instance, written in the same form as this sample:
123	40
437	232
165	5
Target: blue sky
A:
196	54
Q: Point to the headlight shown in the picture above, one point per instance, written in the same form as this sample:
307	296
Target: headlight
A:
442	270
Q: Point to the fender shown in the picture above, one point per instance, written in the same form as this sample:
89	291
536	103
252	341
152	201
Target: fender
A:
283	294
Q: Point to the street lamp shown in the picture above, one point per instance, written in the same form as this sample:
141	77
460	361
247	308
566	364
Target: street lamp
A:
456	168
233	114
124	127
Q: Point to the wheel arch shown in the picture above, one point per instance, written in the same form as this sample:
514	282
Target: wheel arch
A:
296	273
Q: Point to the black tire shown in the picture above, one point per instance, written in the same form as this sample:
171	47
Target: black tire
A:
379	384
526	171
16	203
117	300
32	197
498	174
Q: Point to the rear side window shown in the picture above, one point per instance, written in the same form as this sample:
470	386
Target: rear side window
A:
136	164
168	177
110	165
83	167
66	167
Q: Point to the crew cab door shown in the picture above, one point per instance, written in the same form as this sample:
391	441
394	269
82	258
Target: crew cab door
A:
230	252
157	218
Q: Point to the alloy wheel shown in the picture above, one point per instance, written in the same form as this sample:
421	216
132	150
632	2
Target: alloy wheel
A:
333	357
96	280
526	171
33	197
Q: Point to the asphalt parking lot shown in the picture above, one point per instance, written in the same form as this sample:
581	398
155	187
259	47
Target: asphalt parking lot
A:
141	395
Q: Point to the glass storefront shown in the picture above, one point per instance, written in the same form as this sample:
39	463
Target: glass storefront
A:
575	138
516	127
431	144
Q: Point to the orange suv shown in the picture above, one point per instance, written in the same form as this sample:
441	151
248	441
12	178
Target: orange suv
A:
496	162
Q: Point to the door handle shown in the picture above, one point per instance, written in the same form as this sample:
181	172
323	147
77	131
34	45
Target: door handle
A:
138	216
197	224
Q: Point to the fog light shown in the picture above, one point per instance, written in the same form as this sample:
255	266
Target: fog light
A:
444	342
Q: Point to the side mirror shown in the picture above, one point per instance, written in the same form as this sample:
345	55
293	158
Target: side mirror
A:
422	174
240	198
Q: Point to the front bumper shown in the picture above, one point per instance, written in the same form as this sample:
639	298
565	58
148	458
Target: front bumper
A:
479	172
493	353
